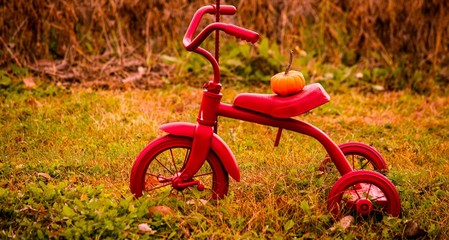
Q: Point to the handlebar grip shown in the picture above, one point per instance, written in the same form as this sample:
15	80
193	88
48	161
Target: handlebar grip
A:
242	33
227	10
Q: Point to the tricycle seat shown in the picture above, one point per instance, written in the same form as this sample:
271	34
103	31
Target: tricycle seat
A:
312	96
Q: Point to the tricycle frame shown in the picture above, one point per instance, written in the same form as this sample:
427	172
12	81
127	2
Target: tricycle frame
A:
203	134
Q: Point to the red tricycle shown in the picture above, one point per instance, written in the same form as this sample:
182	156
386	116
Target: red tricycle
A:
193	161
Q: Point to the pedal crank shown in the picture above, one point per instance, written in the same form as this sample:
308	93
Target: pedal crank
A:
180	184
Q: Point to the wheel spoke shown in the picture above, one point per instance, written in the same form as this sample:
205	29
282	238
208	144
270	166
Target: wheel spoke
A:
369	190
173	160
203	174
374	199
186	157
152	175
356	192
364	165
158	187
162	165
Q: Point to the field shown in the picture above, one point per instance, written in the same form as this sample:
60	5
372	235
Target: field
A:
85	84
66	156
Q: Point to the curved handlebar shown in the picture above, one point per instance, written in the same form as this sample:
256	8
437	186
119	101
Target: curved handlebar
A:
231	29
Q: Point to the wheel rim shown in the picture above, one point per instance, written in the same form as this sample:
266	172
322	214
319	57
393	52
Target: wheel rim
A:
364	193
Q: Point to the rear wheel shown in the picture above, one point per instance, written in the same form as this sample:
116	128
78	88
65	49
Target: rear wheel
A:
163	159
364	194
360	156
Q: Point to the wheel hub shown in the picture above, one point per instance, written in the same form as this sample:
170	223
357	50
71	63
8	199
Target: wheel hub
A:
364	206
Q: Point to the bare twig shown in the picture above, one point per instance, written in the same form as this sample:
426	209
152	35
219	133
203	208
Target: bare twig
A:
20	27
11	53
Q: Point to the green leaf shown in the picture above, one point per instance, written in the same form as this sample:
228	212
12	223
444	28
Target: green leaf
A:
169	59
109	225
4	79
67	211
305	207
288	225
264	48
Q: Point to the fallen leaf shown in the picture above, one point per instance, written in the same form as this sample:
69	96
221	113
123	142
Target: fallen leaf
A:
163	210
201	201
300	51
83	197
28	208
328	75
29	82
346	222
33	102
44	175
144	228
133	77
141	70
378	88
413	231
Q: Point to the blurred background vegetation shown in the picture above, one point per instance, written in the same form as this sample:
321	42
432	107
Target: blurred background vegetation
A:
372	45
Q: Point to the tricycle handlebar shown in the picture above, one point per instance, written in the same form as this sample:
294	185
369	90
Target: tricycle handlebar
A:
231	29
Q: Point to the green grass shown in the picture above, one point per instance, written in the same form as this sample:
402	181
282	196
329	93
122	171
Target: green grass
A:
86	141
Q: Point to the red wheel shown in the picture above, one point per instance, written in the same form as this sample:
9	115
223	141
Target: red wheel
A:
364	193
163	159
360	156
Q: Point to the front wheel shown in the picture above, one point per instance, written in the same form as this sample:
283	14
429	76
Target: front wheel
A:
164	158
364	193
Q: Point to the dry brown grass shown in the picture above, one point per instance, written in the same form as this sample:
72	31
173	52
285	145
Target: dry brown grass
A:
375	33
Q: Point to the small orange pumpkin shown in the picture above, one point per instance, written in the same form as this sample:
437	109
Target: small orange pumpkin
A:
288	82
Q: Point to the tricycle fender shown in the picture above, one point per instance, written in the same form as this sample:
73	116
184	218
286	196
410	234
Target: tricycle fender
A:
224	153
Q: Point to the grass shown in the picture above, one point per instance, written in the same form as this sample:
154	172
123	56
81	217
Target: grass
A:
65	158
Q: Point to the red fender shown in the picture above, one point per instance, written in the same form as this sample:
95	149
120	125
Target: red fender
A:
218	145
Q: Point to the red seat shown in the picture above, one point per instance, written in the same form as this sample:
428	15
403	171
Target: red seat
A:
312	96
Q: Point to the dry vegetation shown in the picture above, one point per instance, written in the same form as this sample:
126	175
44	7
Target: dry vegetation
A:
66	153
66	157
103	40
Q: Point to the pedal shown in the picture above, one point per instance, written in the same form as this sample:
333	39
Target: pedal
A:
179	184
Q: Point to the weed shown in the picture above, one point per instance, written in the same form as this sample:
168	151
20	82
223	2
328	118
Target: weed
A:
395	44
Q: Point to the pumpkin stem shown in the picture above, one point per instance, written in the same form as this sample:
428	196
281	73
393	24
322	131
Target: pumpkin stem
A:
289	62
